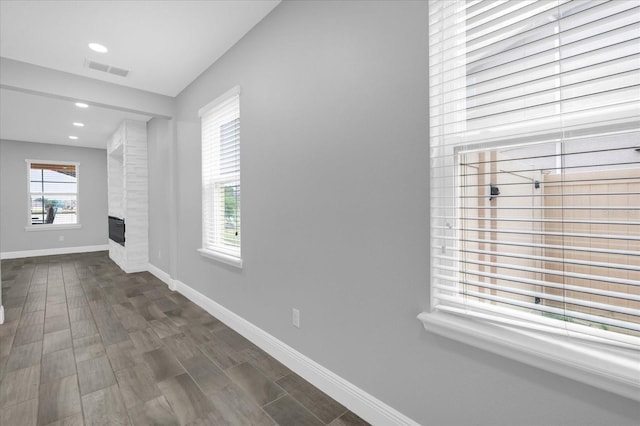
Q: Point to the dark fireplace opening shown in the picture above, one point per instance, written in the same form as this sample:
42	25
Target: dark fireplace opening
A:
116	230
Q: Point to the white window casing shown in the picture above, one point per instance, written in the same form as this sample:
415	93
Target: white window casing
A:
535	184
52	184
221	179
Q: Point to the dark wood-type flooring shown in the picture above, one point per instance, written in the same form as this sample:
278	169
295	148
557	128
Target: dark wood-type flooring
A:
85	343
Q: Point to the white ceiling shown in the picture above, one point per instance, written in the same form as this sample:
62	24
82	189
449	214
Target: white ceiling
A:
35	118
164	44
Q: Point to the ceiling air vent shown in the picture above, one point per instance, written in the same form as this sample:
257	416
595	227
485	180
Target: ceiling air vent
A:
98	66
119	71
106	68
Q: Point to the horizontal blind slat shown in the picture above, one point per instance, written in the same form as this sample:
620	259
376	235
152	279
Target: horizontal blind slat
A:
547	234
544	246
556	311
563	273
550	259
548	296
533	281
455	281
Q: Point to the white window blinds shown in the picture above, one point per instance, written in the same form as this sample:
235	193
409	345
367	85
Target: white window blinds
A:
535	164
221	175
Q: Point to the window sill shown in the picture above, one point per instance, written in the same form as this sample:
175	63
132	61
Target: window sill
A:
609	368
51	227
221	257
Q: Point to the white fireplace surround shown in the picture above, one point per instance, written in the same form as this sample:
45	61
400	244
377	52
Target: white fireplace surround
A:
128	194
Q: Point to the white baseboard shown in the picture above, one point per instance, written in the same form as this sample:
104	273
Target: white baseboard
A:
1	314
52	251
135	270
163	276
357	400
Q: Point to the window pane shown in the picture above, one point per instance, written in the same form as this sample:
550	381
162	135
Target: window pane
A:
35	186
35	174
51	208
60	187
231	233
220	176
230	147
48	183
553	228
59	176
37	211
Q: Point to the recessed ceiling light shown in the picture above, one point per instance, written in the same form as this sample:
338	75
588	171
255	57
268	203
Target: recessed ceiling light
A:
98	48
73	137
81	105
78	124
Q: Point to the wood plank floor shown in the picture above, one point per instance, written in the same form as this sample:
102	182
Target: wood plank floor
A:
85	344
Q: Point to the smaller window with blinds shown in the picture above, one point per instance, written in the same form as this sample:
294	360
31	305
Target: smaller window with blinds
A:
53	193
221	178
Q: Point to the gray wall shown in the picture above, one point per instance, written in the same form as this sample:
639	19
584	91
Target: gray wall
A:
158	153
335	216
13	195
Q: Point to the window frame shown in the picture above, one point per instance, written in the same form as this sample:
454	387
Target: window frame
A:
219	253
30	227
587	359
600	365
614	367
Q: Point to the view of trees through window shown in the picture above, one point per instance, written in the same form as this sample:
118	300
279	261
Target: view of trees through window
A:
230	191
221	176
232	215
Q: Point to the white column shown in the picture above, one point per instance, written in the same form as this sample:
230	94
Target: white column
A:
128	194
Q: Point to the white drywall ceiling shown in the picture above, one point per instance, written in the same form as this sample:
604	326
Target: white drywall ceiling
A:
164	44
35	118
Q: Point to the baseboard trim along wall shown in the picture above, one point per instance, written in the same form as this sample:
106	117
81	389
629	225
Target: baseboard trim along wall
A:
163	276
52	251
357	400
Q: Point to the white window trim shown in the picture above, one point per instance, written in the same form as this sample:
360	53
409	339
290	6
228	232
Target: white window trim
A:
615	370
214	103
51	226
221	257
231	258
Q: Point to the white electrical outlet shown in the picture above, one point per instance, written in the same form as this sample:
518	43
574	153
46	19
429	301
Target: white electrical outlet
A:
61	238
296	318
